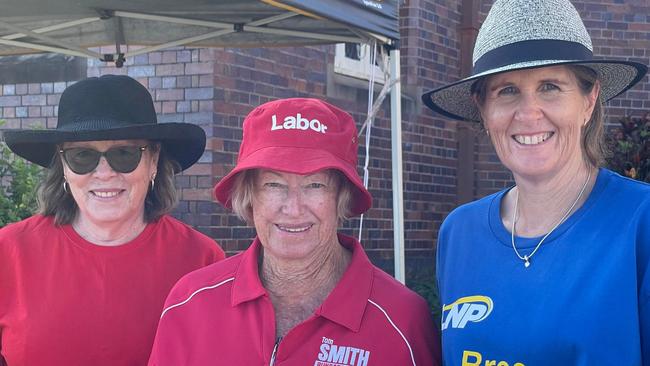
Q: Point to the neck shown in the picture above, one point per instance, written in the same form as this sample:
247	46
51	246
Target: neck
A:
298	287
294	279
543	203
111	233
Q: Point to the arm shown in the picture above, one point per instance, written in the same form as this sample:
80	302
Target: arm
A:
425	338
643	279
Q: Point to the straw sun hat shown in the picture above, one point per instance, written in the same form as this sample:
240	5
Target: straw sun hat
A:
521	34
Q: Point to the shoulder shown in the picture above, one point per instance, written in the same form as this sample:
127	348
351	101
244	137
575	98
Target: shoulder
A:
179	228
472	212
393	306
173	230
392	296
475	208
621	194
31	226
623	184
214	277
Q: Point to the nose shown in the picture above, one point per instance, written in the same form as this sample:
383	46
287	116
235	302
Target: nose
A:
293	204
103	169
528	108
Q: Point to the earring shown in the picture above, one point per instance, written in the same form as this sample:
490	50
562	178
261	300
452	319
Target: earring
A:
487	132
153	180
65	185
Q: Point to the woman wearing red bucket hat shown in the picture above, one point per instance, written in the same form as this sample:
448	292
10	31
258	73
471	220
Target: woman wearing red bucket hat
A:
83	282
301	294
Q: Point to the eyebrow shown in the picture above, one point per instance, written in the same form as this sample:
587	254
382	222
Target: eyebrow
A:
500	84
554	80
328	177
506	83
269	171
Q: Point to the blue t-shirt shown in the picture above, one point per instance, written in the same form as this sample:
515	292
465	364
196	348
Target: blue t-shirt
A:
582	301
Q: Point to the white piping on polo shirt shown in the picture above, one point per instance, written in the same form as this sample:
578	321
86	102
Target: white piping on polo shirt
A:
194	293
396	328
233	278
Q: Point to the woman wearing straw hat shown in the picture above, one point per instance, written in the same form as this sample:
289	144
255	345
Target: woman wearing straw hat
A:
83	282
301	294
552	271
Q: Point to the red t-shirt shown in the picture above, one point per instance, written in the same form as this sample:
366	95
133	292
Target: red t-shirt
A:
66	301
222	315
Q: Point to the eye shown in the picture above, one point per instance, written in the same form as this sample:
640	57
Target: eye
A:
80	154
272	185
316	185
124	150
549	87
508	90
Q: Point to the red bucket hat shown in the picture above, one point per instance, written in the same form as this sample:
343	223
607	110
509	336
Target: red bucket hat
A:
299	136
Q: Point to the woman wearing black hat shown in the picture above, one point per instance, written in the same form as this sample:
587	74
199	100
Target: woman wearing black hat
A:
83	282
553	271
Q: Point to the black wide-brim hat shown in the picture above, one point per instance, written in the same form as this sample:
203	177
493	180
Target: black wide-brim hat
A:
110	107
524	34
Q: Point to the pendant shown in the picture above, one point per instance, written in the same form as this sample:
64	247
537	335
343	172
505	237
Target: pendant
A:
526	261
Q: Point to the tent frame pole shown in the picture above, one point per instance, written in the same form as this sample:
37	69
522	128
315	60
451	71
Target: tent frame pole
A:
396	154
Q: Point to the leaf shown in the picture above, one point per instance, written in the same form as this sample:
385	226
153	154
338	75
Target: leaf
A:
18	183
630	147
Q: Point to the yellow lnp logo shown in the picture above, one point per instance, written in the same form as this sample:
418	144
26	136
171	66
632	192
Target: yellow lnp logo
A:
466	309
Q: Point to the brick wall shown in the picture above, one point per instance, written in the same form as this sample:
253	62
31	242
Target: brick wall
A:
430	58
31	105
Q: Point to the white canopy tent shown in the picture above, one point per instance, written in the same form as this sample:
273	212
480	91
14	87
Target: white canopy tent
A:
79	27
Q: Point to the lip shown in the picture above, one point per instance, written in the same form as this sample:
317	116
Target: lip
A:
294	228
532	139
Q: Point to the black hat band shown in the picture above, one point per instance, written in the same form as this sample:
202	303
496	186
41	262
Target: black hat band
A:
532	50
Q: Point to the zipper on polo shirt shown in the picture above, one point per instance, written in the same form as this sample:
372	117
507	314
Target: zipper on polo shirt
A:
275	350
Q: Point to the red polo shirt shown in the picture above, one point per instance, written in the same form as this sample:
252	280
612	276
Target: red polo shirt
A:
222	315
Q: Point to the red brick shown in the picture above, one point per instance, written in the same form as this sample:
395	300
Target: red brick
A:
196	194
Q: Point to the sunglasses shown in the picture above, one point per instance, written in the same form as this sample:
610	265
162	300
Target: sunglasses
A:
83	160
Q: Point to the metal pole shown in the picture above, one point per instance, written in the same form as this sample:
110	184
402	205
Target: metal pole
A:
396	150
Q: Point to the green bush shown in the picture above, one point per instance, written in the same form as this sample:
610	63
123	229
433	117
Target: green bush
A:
18	182
421	278
630	148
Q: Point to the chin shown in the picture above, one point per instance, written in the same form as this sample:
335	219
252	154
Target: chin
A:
292	251
108	216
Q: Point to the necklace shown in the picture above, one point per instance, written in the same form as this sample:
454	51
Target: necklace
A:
526	258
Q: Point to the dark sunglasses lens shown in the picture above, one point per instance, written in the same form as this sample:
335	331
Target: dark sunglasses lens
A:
81	160
124	159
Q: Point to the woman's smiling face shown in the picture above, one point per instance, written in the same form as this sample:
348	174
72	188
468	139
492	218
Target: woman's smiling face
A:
535	118
295	215
105	196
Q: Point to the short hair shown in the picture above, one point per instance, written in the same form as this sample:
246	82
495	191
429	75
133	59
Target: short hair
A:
593	133
243	191
53	200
